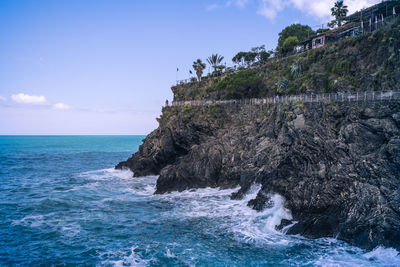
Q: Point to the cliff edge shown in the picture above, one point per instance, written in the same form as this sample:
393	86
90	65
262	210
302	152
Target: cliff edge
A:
337	164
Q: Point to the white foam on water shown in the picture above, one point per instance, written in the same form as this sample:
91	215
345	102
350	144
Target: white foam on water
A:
106	174
384	256
71	230
234	216
30	221
141	186
330	252
132	260
287	227
169	254
123	181
238	220
48	220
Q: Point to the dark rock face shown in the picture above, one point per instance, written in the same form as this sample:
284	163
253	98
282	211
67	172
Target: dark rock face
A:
337	165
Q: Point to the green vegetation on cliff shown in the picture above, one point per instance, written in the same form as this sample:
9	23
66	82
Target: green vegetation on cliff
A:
244	84
367	62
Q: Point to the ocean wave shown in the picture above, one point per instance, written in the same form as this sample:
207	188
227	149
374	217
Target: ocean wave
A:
30	221
71	230
50	221
235	216
105	174
384	256
213	216
123	179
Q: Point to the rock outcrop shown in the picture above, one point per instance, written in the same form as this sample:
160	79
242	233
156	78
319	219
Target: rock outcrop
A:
337	164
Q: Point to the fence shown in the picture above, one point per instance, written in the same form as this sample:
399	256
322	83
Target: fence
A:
305	98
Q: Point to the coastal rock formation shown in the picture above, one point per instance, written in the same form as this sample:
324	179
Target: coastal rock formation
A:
336	164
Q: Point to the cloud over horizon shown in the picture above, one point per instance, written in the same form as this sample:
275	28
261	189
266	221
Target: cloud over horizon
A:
2	98
61	106
22	98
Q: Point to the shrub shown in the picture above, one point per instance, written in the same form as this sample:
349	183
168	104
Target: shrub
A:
282	85
244	84
342	67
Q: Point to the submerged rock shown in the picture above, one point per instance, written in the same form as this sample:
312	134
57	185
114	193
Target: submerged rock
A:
337	165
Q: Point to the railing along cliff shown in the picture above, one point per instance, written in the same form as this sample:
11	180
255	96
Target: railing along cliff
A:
305	98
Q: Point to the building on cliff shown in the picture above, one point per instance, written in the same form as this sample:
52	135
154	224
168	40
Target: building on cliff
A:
363	21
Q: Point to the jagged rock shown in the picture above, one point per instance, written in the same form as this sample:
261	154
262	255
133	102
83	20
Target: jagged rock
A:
337	165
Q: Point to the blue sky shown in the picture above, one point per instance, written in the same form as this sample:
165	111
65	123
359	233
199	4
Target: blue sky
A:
106	66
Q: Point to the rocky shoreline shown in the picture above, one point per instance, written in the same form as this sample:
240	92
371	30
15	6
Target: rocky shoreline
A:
337	165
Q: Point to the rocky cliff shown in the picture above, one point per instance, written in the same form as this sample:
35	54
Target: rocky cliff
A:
336	164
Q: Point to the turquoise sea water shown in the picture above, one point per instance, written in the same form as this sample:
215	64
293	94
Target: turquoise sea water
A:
63	204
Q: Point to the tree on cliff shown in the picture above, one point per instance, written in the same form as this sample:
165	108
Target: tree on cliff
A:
289	44
339	11
250	57
263	56
247	58
302	32
215	61
239	58
199	67
261	53
257	54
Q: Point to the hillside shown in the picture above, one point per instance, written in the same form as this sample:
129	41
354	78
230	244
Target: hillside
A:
363	63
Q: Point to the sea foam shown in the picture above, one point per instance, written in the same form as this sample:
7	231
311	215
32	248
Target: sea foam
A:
244	222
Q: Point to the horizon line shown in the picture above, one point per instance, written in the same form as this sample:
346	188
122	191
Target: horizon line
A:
73	135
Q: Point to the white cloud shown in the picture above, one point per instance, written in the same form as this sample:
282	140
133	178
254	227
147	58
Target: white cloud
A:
22	98
320	9
28	99
356	5
237	3
2	98
212	7
270	8
61	106
229	3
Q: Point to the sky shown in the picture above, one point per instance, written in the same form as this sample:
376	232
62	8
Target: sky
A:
105	67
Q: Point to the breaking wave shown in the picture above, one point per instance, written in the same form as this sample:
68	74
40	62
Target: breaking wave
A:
112	219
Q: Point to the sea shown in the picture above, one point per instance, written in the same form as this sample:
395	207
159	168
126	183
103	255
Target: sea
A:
63	204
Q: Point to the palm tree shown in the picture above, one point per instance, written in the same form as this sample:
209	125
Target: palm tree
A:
199	66
215	60
339	11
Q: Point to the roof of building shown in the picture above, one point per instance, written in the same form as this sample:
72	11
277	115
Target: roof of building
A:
339	30
333	32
